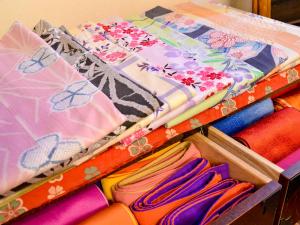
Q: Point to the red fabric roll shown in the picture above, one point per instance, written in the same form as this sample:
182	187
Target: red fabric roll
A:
274	137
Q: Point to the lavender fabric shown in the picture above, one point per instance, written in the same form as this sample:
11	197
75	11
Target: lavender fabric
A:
70	210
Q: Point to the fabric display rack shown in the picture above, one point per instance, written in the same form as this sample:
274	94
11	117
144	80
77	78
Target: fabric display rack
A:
179	115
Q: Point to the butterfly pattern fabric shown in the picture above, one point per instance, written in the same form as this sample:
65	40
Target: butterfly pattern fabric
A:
47	106
41	59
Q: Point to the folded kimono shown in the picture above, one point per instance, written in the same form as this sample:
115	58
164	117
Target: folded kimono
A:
109	181
288	100
172	62
269	45
144	179
245	117
290	160
243	73
175	63
208	206
113	215
275	136
49	112
171	119
70	210
170	92
190	180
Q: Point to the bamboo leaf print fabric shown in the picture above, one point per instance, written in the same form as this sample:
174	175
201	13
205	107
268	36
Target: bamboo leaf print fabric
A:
49	112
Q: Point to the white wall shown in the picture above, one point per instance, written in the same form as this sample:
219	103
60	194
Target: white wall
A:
74	12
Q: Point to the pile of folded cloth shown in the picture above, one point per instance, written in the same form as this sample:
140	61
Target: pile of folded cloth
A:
173	186
68	96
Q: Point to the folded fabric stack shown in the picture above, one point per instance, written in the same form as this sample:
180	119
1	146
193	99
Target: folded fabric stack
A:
127	87
175	185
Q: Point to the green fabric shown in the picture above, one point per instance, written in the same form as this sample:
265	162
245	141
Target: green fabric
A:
208	103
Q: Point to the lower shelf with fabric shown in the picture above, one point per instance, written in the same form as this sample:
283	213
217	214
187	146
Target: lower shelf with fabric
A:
289	209
260	207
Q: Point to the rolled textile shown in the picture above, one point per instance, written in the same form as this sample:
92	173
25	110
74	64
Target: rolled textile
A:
186	183
114	178
116	214
208	206
290	99
275	136
70	210
290	160
135	185
245	117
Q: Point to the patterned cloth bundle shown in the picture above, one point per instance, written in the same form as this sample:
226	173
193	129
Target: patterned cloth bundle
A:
69	100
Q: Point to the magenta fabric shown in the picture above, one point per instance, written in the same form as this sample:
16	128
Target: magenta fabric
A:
70	210
290	160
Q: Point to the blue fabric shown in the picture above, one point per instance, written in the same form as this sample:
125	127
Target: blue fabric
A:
263	61
245	117
203	29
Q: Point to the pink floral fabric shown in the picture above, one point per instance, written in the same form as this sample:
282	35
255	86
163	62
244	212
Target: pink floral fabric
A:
171	61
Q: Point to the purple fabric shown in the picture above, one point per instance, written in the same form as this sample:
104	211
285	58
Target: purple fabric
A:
290	160
230	204
70	210
191	178
195	211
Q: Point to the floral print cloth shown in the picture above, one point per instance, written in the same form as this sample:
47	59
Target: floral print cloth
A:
171	92
49	112
260	55
136	68
172	62
243	73
249	26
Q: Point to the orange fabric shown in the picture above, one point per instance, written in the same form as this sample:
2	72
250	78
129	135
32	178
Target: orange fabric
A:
135	185
291	99
151	217
273	137
116	214
229	195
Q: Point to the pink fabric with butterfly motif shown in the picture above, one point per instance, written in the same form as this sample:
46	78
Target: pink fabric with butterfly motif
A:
48	112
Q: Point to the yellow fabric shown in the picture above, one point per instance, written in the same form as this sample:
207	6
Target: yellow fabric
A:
109	181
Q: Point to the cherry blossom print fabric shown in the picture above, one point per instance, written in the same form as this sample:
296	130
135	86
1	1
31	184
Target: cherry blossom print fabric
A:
170	92
243	73
172	62
49	112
